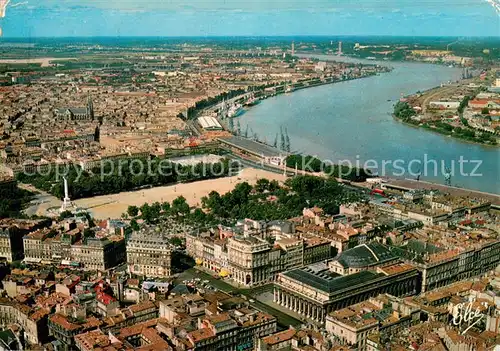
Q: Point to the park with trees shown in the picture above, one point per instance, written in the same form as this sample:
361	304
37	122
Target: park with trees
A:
310	163
13	201
123	175
266	200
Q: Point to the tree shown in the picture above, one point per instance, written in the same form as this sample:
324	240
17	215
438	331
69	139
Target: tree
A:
176	241
132	211
403	110
88	233
241	192
273	186
134	225
463	104
166	207
180	206
212	201
155	211
306	163
146	213
199	216
485	111
262	185
65	214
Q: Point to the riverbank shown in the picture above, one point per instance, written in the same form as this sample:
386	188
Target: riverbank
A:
278	93
423	185
352	121
444	133
262	93
439	109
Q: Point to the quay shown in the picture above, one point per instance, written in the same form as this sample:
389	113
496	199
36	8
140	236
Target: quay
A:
410	184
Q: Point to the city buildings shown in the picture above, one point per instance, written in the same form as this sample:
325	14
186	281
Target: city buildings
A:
278	341
438	309
384	314
430	208
444	256
11	236
401	276
78	114
71	248
433	253
32	321
99	254
314	291
254	252
248	259
362	257
233	330
206	322
148	255
142	336
140	107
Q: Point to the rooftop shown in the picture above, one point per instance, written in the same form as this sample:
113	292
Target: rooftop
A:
200	334
280	337
365	255
330	282
65	323
383	309
93	339
253	147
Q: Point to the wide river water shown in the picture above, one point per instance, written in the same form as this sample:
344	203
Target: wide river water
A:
352	121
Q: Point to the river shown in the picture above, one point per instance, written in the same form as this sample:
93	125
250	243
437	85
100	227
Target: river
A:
351	121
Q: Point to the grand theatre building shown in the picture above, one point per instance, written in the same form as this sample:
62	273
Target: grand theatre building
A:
314	291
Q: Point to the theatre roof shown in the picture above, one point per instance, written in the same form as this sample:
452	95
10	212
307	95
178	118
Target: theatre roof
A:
328	281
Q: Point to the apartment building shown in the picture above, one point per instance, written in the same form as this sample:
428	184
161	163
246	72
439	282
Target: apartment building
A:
248	259
384	314
12	232
149	255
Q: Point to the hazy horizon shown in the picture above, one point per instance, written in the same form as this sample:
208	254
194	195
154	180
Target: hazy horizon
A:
221	18
290	36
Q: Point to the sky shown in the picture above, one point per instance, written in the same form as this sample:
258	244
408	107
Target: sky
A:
63	18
